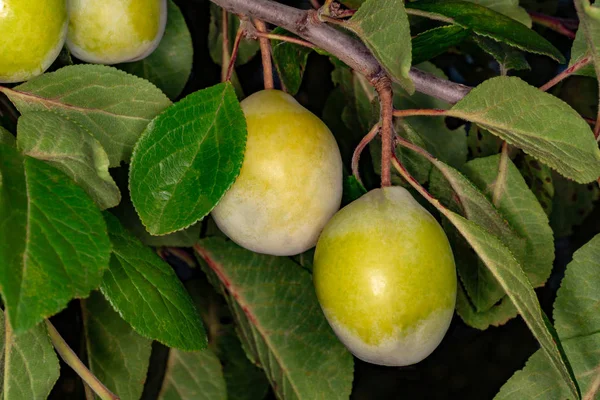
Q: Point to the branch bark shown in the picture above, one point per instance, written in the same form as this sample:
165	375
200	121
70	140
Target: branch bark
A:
349	50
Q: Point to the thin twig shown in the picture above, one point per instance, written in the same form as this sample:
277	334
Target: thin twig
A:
273	36
386	97
234	52
265	51
225	57
71	359
418	112
359	149
556	24
566	73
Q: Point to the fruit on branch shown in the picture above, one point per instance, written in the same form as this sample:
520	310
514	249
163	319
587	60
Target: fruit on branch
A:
290	183
115	31
385	277
32	33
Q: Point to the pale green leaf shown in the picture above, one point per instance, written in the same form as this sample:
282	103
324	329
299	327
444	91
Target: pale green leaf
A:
495	316
29	364
383	26
539	123
54	243
187	159
510	8
280	322
113	106
170	65
579	50
193	376
147	294
50	137
117	355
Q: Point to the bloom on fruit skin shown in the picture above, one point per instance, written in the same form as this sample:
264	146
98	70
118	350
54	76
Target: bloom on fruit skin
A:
385	277
290	182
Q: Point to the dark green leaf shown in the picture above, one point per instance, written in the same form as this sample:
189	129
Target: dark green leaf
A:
482	143
248	48
290	61
571	204
383	26
508	57
6	137
510	8
111	104
147	294
117	355
353	189
280	322
187	159
538	177
170	65
54	243
436	41
486	22
50	137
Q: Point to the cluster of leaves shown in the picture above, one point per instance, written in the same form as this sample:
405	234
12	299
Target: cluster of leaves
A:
104	165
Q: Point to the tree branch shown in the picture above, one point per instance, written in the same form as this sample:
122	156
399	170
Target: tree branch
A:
348	49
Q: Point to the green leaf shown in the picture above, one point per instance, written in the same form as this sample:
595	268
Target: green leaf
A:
495	316
353	189
193	375
6	137
29	364
290	60
577	323
248	48
347	138
539	123
113	106
571	205
280	322
482	143
117	355
170	65
67	146
187	159
510	8
508	57
436	41
486	22
511	277
383	26
54	243
538	177
579	50
147	294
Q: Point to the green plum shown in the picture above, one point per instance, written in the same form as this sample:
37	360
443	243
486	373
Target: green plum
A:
290	183
115	31
32	33
385	277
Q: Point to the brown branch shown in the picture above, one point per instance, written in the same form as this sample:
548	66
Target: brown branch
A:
265	51
566	73
386	98
419	112
234	52
359	149
289	39
345	47
225	56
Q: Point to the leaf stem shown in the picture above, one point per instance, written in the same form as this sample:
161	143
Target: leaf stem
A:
331	20
284	38
234	52
265	51
566	73
417	112
69	357
556	24
359	149
500	183
383	86
225	57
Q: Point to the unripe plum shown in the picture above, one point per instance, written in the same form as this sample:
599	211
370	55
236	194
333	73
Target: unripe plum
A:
290	182
32	33
115	31
385	277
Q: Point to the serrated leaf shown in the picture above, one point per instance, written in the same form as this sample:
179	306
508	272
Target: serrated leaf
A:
29	364
290	61
54	243
248	48
510	8
508	57
170	65
383	26
572	203
193	375
280	322
147	294
6	137
436	41
113	106
67	146
117	355
539	123
187	159
577	323
486	22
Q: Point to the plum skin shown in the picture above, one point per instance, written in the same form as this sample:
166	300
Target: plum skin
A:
385	277
290	182
32	34
115	31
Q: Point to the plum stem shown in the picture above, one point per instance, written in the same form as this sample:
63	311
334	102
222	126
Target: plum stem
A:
265	51
359	149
